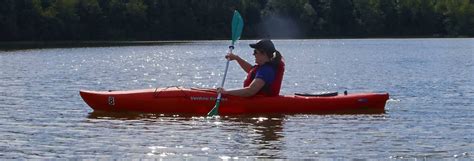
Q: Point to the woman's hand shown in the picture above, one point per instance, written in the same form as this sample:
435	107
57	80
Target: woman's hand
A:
221	90
231	56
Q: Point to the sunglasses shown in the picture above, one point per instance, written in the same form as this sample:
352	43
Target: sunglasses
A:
256	52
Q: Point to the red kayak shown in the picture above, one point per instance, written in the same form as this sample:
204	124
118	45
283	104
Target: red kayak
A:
191	101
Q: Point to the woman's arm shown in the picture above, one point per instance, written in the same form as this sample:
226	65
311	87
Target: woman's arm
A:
243	64
251	90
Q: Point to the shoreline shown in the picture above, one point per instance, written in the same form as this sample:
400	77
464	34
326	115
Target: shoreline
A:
22	45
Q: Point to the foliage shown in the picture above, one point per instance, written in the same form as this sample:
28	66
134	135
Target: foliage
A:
45	20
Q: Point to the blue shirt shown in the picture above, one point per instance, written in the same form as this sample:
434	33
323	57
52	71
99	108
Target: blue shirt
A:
267	73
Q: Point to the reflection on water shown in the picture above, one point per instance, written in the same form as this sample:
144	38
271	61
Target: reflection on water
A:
266	132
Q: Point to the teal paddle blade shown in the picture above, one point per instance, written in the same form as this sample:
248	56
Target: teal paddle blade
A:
237	26
215	109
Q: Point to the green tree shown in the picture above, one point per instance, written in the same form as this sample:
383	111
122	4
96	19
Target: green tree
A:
30	20
91	20
418	18
341	19
250	11
8	24
136	16
114	19
281	18
318	21
68	19
369	17
458	16
390	18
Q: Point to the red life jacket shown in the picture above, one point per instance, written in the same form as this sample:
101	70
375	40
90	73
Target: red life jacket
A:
274	88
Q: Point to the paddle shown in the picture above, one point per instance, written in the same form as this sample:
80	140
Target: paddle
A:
237	26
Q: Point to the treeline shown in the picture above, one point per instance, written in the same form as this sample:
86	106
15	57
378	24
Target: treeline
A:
44	20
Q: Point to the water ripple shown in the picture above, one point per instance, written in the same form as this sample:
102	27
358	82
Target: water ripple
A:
429	115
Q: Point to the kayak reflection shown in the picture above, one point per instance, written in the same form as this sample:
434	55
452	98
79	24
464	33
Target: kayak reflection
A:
269	130
261	135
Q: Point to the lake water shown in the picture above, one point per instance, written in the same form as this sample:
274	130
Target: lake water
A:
430	114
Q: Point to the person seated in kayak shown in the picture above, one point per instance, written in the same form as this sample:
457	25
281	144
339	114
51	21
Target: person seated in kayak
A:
265	77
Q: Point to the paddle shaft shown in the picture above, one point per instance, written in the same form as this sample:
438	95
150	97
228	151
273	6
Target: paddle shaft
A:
219	96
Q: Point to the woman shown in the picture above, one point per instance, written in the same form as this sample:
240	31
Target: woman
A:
264	78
